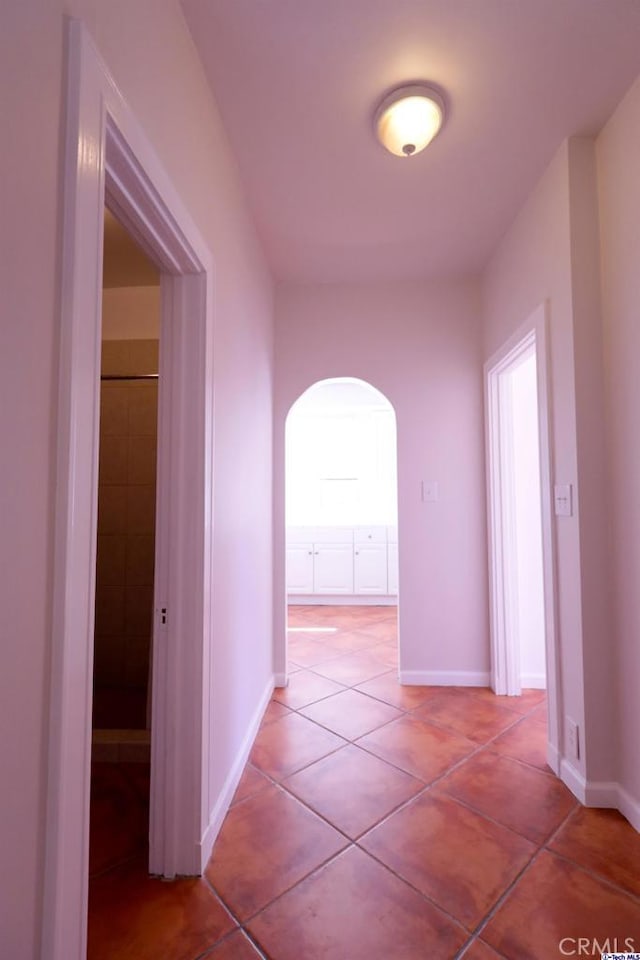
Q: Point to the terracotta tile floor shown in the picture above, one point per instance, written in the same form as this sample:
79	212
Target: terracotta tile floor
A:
373	822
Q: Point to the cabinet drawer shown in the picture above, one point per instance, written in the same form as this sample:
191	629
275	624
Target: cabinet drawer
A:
370	534
300	534
333	535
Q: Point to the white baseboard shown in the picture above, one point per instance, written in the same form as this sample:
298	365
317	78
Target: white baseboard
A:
445	678
612	795
343	600
533	681
553	758
225	797
601	793
629	807
573	779
280	680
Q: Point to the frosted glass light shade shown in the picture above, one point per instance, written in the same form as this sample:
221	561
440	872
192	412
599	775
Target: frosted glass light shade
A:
408	119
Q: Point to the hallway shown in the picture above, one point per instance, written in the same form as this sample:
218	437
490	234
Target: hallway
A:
374	821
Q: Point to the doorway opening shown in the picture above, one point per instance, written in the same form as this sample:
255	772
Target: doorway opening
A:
125	554
521	525
521	556
110	161
341	537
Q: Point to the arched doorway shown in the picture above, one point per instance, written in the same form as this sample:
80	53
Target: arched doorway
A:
341	532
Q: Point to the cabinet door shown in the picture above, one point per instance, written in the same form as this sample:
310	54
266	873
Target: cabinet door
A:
370	568
300	568
333	568
392	549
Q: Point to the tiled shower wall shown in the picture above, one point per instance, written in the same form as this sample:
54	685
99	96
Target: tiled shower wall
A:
126	533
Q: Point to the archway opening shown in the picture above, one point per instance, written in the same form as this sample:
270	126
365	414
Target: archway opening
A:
341	517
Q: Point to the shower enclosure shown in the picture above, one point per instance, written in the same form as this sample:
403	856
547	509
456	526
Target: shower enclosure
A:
125	550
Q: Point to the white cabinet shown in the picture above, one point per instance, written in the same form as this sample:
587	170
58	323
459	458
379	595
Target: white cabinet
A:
392	567
300	568
333	568
370	535
370	568
342	561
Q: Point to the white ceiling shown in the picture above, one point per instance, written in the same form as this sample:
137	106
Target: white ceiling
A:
297	81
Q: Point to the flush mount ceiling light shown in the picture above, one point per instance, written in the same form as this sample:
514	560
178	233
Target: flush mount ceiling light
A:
408	119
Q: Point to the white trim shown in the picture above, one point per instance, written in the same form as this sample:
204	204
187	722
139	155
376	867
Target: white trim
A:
553	758
601	794
573	779
445	678
613	796
109	157
610	795
280	680
605	794
233	779
629	807
504	678
533	681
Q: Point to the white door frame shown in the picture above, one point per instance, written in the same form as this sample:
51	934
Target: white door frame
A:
504	655
108	159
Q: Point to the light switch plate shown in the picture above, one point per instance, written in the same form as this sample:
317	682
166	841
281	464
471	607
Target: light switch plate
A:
563	500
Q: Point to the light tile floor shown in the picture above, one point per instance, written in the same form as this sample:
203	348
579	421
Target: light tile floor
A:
374	821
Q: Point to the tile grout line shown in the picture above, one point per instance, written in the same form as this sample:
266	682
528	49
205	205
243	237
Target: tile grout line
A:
590	872
426	787
243	924
507	892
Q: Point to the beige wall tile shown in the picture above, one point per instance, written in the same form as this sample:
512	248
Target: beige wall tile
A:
143	356
138	611
140	559
136	669
110	608
112	509
111	559
126	515
109	661
129	357
141	509
141	460
114	410
113	460
142	401
115	357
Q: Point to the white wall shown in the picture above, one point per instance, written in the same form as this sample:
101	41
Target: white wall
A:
419	344
341	457
618	152
550	255
528	522
148	48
